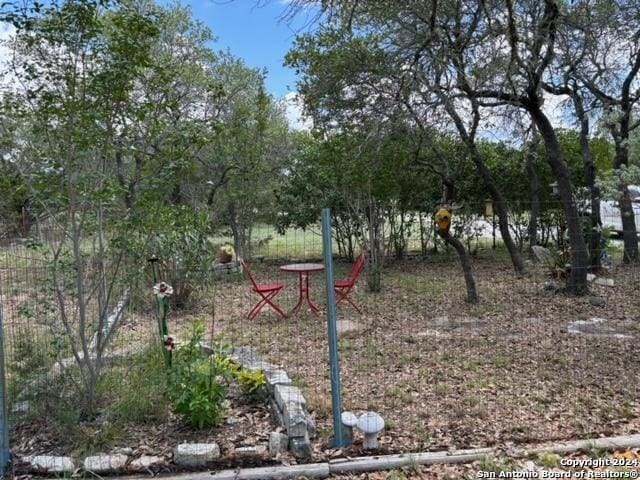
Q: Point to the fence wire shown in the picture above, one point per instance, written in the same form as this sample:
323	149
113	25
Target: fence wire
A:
526	364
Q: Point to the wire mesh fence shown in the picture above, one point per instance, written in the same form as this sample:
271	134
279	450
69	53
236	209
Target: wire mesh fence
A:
528	363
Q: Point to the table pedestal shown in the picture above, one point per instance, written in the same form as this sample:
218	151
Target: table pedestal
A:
304	294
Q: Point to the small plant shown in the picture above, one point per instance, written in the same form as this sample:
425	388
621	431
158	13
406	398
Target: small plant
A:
594	451
92	438
251	381
396	475
197	382
560	265
496	465
549	460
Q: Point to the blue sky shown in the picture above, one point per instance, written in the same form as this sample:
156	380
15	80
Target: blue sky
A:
253	31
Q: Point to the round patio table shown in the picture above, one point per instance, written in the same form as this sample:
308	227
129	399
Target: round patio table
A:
304	269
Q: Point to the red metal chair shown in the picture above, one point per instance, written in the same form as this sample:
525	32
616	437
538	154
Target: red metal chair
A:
344	287
266	290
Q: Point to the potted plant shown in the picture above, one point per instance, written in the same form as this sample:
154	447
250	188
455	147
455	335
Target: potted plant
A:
226	253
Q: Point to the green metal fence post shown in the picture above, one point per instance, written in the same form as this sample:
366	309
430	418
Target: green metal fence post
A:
4	420
339	439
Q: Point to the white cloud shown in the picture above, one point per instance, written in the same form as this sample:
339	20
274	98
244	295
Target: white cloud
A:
7	32
294	112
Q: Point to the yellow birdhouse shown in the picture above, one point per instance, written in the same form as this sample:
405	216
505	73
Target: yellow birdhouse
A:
443	220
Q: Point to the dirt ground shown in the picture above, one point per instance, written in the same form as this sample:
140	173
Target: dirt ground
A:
445	374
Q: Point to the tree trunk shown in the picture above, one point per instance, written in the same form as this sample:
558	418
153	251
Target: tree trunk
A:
375	247
590	177
238	240
577	279
467	266
502	209
534	183
499	202
629	235
621	138
627	215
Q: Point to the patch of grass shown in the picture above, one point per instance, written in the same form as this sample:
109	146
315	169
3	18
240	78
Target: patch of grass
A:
93	438
31	356
319	402
548	460
423	434
389	425
295	243
486	309
478	384
494	464
596	452
346	344
426	287
502	361
471	400
396	475
479	412
409	359
626	410
443	389
400	394
557	360
471	364
544	375
541	398
136	391
299	381
414	466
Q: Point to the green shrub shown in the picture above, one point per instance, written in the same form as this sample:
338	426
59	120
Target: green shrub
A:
186	255
252	382
197	382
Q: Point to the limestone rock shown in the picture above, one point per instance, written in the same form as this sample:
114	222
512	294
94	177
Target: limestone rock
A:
605	282
50	464
105	463
252	451
543	255
196	454
301	447
146	462
278	443
276	377
295	419
288	394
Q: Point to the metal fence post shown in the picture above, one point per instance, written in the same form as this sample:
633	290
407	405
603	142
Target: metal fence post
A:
4	420
339	439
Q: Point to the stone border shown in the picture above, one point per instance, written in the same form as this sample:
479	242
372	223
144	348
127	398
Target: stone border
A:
357	465
50	464
286	400
227	268
287	403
